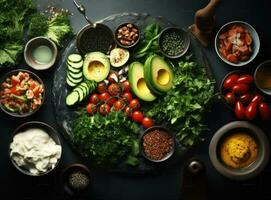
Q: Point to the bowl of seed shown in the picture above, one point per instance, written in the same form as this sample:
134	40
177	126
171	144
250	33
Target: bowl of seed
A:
173	42
76	178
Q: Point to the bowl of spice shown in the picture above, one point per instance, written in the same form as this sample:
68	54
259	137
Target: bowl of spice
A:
239	150
76	178
127	35
173	42
157	144
262	77
40	53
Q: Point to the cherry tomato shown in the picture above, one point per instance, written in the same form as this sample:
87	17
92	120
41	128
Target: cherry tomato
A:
114	89
230	81
230	98
147	122
125	86
104	109
104	96
257	98
111	100
119	105
134	104
127	96
101	87
239	110
251	111
264	111
128	111
94	98
91	108
137	116
113	77
246	98
245	79
240	88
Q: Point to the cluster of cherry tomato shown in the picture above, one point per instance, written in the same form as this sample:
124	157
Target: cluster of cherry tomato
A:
241	95
117	96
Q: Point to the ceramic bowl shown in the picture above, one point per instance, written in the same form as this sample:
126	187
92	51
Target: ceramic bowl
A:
127	46
255	42
179	31
35	43
251	170
40	125
258	75
169	155
32	75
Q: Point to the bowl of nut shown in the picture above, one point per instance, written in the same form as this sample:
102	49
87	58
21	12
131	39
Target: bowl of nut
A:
127	35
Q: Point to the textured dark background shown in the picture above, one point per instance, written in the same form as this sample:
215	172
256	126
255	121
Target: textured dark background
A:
169	184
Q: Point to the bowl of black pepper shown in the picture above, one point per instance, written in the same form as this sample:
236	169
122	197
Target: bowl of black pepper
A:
76	178
127	35
157	144
173	42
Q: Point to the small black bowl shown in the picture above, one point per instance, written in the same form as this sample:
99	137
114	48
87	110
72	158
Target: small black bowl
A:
71	169
116	35
41	125
179	31
32	75
169	155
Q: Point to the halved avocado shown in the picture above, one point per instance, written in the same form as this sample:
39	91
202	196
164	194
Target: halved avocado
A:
96	66
158	73
137	82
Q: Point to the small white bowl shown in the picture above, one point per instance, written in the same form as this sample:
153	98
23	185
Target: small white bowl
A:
34	43
255	42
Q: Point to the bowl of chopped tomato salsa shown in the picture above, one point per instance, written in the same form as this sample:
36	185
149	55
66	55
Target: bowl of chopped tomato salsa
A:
237	43
22	93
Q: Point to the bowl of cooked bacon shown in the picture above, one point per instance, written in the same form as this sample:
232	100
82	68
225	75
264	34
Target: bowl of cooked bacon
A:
22	93
237	43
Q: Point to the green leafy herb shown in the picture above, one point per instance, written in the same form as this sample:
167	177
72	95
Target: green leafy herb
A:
106	139
38	25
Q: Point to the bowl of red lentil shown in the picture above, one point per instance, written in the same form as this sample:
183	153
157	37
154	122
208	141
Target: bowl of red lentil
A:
157	144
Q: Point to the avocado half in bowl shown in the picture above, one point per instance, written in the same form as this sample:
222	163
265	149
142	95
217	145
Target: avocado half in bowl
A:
153	78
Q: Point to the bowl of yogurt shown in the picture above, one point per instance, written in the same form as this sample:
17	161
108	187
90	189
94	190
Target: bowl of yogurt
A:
35	148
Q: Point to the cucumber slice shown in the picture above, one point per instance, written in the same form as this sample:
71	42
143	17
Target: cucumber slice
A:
80	92
85	91
84	84
75	58
73	70
76	76
70	83
74	80
76	65
72	98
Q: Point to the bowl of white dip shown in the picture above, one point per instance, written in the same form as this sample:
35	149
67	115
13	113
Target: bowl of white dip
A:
35	148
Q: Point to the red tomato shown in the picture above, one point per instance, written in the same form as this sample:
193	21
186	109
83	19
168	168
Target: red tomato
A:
137	116
134	104
264	111
104	96
119	105
257	98
230	98
127	96
114	89
246	98
14	90
91	108
101	87
111	101
94	98
251	111
125	86
15	80
147	122
128	111
239	110
230	81
232	58
104	109
240	88
113	77
245	79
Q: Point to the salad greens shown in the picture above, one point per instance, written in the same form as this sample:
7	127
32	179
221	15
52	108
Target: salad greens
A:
106	139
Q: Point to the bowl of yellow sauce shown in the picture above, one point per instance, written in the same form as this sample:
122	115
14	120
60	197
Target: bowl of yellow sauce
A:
262	77
239	150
